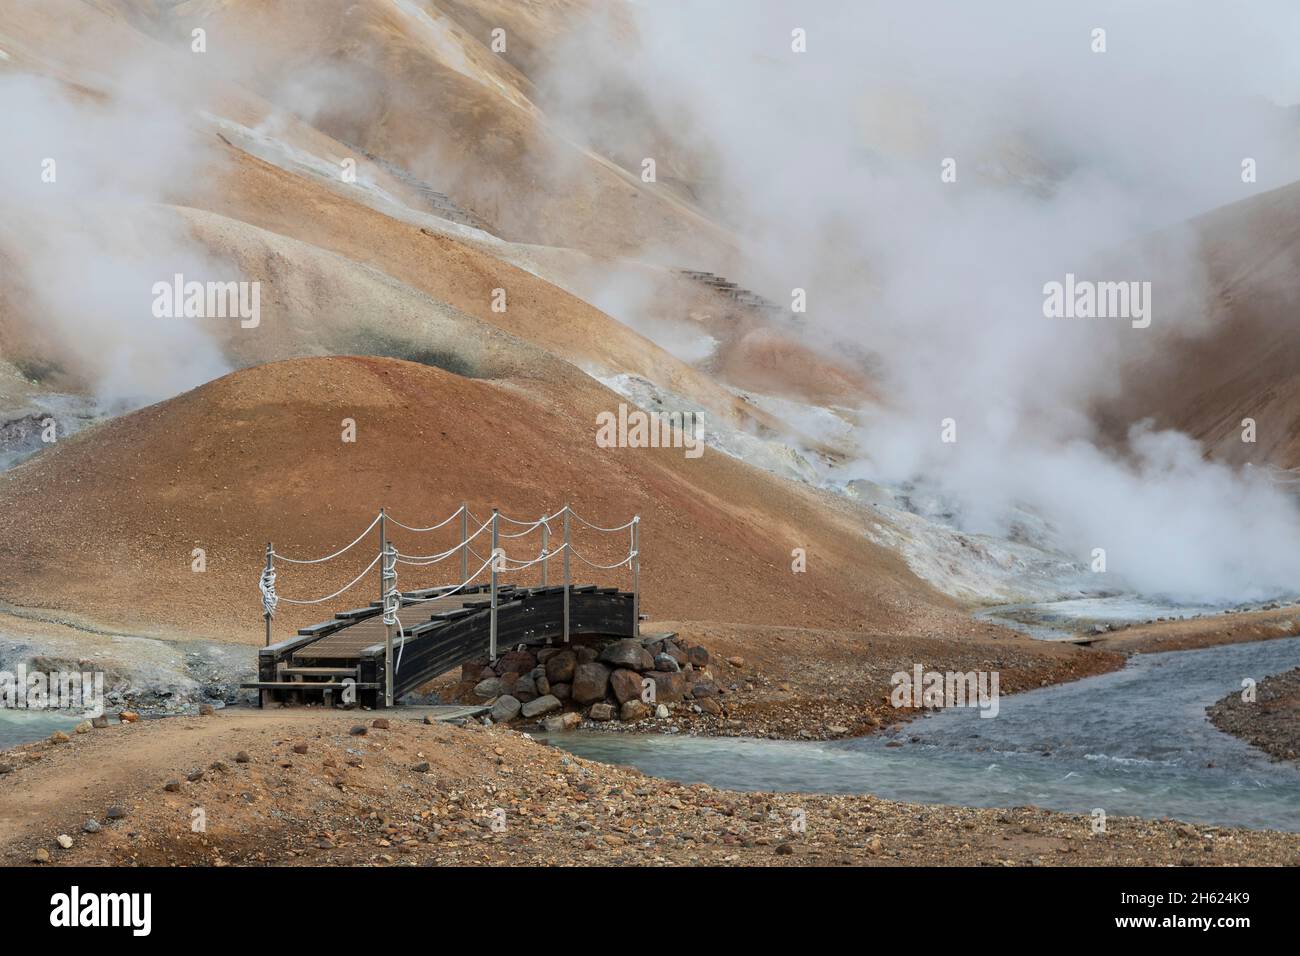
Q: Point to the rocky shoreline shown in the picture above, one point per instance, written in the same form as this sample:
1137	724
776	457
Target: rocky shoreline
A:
1271	721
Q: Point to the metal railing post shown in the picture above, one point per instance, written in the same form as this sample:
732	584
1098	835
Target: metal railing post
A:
389	574
546	544
492	625
636	576
383	546
464	542
567	580
267	614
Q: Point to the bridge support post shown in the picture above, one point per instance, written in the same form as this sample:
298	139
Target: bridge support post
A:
388	563
270	567
546	547
567	580
492	614
464	542
636	575
383	547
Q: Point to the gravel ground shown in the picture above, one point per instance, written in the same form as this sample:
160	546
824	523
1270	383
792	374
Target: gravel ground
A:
300	788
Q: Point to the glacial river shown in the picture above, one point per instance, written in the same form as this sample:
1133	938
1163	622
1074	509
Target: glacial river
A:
1135	742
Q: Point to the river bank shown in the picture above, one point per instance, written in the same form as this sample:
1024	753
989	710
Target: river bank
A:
1270	720
300	788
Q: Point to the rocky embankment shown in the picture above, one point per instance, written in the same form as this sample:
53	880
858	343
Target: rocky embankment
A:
316	788
620	681
1270	722
151	675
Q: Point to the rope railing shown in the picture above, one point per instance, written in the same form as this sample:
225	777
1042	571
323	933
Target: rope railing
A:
391	599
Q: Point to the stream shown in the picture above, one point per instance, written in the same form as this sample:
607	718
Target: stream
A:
1135	742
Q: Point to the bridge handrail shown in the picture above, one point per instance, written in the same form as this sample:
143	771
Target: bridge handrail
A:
330	557
426	559
433	527
391	598
345	587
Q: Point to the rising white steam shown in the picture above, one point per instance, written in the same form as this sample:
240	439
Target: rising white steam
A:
828	163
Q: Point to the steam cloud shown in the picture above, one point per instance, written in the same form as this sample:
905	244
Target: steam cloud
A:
827	163
86	249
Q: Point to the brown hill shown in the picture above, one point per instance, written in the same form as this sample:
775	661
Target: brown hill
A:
414	84
104	523
1244	361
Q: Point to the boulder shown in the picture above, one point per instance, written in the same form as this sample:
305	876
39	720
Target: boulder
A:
542	705
560	667
590	682
698	656
562	722
676	653
562	691
601	712
526	685
585	654
546	653
508	681
627	653
521	662
709	705
505	709
634	710
470	671
487	689
626	685
704	688
661	711
668	663
669	687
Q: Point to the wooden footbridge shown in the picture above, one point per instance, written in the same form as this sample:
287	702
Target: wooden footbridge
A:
373	655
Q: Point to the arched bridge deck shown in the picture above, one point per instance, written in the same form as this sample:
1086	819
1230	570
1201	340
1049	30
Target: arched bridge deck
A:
378	653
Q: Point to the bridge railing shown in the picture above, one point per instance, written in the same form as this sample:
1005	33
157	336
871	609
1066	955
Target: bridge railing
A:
496	564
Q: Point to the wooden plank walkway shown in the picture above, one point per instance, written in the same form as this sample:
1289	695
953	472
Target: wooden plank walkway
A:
352	640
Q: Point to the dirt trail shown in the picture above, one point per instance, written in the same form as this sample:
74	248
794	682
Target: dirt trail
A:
70	782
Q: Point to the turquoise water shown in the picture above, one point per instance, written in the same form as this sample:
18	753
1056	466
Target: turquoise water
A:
23	726
1133	743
